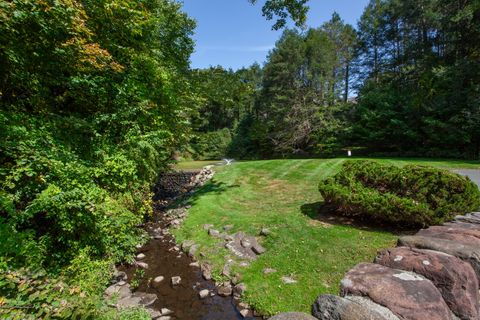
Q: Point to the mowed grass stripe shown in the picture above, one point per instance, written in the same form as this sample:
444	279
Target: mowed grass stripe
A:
274	194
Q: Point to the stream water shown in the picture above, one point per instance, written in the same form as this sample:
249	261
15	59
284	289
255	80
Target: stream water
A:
183	299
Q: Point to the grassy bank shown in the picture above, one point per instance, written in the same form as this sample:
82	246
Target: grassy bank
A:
282	195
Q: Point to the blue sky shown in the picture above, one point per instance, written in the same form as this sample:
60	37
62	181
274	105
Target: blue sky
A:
233	33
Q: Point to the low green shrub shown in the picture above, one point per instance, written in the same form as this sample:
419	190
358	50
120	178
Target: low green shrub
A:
411	195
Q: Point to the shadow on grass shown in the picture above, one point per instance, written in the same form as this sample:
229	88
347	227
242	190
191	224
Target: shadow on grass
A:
211	187
329	215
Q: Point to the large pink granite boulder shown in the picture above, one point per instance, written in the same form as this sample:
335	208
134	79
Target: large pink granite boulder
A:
407	295
454	278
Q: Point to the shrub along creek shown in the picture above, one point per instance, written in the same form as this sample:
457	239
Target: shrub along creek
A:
165	277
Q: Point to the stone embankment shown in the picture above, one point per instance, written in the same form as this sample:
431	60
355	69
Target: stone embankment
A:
433	274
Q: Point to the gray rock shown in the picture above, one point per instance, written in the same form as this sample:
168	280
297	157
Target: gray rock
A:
258	249
207	226
293	316
240	289
468	218
269	270
225	289
166	312
186	245
203	293
176	281
146	299
244	312
154	314
214	233
265	232
228	227
226	270
119	276
245	243
192	251
330	307
142	265
119	291
235	246
206	271
288	280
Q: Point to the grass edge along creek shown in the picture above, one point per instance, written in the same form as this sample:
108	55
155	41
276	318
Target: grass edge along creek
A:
282	195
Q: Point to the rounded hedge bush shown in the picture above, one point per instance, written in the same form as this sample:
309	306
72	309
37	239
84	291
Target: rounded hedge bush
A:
411	195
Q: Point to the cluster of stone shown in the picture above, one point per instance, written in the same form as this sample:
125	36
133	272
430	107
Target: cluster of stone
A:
433	274
244	248
177	183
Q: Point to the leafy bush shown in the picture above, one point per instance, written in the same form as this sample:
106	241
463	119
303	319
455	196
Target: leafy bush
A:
412	195
211	145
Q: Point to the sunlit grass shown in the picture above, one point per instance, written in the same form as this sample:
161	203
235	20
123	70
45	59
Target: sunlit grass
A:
282	195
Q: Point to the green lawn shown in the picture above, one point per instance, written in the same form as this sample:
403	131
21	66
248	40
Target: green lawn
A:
282	195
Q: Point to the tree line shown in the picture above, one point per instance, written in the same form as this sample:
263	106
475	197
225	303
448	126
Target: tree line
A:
404	81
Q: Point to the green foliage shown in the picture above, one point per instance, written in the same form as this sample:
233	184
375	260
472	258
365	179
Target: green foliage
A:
211	145
94	99
418	76
412	195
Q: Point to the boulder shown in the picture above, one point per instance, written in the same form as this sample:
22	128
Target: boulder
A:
468	218
118	290
330	307
454	278
293	316
474	232
458	237
467	253
406	294
225	289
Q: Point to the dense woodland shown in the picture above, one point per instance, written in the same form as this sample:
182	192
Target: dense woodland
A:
97	97
405	81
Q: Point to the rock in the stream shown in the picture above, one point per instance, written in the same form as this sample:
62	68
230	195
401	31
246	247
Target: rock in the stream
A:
194	264
454	278
176	280
225	289
240	288
166	312
203	293
193	250
141	256
293	316
119	275
186	245
330	307
137	299
470	254
118	290
142	265
244	312
408	295
158	279
206	271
